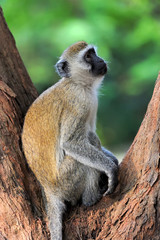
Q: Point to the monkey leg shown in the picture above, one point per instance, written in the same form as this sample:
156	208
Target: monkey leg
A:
71	180
55	209
91	192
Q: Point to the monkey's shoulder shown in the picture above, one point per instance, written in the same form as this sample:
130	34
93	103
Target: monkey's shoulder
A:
72	95
64	97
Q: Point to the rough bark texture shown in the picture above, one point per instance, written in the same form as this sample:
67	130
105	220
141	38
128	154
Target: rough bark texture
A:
21	209
132	212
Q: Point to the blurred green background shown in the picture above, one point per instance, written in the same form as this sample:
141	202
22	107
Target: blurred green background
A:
127	34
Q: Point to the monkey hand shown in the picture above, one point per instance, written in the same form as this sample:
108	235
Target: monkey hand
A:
112	179
110	155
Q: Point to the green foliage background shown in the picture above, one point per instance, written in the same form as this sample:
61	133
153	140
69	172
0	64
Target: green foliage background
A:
127	34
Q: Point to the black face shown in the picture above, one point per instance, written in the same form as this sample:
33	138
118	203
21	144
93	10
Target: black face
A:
99	67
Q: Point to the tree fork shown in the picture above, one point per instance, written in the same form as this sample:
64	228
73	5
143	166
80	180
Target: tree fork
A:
132	212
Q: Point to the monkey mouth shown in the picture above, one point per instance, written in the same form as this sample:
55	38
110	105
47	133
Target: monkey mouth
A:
100	69
103	69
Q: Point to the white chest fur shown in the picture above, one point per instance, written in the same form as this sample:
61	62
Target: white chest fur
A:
91	121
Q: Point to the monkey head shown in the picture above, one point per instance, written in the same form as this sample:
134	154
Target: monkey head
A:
80	62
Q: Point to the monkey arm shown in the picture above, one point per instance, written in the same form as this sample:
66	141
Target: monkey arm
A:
94	140
90	156
82	146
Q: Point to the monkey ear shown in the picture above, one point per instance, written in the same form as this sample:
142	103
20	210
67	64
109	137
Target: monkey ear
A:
62	68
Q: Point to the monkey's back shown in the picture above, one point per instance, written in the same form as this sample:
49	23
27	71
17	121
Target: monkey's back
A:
40	134
42	131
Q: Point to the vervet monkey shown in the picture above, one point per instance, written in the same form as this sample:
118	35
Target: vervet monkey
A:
59	136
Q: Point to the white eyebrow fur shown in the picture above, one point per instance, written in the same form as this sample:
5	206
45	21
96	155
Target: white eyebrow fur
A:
81	53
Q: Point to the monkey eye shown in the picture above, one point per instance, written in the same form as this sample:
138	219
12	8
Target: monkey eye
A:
88	57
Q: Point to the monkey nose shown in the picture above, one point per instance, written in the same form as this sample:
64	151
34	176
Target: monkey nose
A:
102	68
105	68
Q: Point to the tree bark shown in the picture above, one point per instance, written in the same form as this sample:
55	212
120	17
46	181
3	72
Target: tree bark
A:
132	212
21	208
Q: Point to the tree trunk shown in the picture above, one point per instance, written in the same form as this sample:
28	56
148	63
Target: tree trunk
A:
21	208
132	212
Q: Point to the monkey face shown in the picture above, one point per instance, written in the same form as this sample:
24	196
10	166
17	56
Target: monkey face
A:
81	63
98	65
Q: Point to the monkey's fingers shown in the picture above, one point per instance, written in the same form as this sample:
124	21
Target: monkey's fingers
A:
112	182
110	155
115	160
